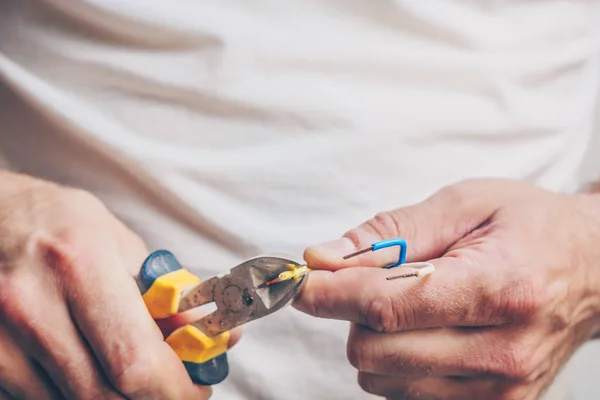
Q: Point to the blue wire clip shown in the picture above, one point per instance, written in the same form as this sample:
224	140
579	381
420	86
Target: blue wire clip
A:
423	268
382	245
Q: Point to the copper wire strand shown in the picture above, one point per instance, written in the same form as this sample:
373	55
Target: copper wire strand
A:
359	252
409	275
427	268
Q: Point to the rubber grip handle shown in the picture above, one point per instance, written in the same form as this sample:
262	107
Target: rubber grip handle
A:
161	280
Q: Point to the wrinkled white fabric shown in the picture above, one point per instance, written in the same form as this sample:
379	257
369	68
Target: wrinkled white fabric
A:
223	129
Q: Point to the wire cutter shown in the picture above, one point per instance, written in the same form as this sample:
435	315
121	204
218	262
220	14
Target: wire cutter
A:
244	294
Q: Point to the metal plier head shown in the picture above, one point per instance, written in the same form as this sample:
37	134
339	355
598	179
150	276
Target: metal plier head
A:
242	295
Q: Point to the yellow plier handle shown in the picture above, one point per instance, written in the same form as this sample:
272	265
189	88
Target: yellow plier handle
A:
163	282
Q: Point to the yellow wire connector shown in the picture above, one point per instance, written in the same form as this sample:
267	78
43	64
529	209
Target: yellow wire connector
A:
294	272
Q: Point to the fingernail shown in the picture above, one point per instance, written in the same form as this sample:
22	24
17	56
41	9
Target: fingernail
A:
328	253
338	247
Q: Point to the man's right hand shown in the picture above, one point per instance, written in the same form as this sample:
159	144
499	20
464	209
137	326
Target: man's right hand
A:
72	321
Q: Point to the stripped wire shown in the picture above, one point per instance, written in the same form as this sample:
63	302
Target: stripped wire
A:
424	268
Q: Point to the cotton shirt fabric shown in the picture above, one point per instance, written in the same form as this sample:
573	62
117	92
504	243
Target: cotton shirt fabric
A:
224	129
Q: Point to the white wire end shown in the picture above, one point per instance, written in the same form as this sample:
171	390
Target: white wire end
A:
423	269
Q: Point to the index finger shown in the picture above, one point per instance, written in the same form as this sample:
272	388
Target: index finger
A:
107	307
452	296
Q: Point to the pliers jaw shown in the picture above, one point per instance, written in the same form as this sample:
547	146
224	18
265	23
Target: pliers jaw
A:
240	296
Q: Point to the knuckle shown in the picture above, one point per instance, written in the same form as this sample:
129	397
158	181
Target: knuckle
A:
63	252
507	362
132	372
515	361
360	355
134	241
387	387
408	366
355	235
517	302
459	194
14	306
381	315
208	392
354	354
367	383
82	200
80	208
321	306
455	193
20	317
7	298
386	223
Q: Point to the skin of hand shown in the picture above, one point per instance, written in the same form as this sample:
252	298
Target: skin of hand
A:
72	321
515	292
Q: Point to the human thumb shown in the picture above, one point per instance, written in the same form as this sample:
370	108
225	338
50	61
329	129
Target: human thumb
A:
429	228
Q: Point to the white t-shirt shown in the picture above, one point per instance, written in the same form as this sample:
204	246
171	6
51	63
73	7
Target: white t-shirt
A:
224	129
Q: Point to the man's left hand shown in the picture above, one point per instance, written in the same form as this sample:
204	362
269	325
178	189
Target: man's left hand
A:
515	292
